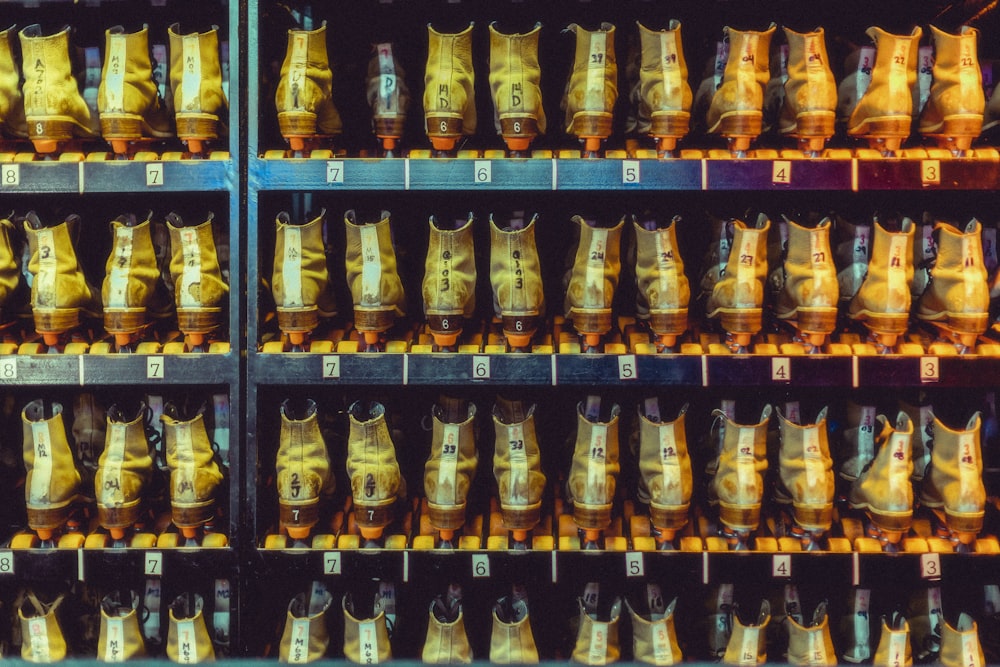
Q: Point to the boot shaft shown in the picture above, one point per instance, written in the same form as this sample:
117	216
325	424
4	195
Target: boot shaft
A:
886	287
884	485
371	455
449	285
302	467
366	638
748	642
304	96
131	272
960	645
749	59
451	466
126	464
120	638
58	278
515	82
810	91
738	483
371	265
664	462
305	637
954	479
511	639
664	93
958	290
806	470
515	270
659	270
810	277
195	75
596	640
595	466
128	98
956	91
893	78
50	90
194	470
446	641
300	277
654	637
194	266
388	93
42	639
52	478
596	267
12	121
449	79
188	641
894	644
517	462
811	645
741	284
592	89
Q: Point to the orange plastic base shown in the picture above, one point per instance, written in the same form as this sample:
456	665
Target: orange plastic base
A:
370	532
389	143
298	532
44	534
189	532
445	340
194	340
666	145
371	337
592	144
117	534
45	145
297	338
519	340
517	144
443	143
520	535
195	145
447	535
51	338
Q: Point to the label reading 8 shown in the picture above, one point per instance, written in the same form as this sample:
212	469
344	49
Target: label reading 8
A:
335	171
154	368
781	371
781	566
480	367
154	174
153	564
6	562
630	172
929	369
483	172
626	367
634	564
10	175
930	566
331	562
8	368
331	366
781	172
930	172
480	566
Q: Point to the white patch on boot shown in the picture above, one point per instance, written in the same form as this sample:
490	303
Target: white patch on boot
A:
746	80
862	627
815	468
114	455
596	62
191	79
184	475
670	70
598	643
114	80
898	289
746	473
897	648
593	293
746	272
297	71
898	86
970	650
969	478
371	267
971	251
447	480
41	470
969	77
388	90
190	287
517	489
368	637
596	490
298	652
291	268
863	76
48	266
38	637
670	466
114	639
925	75
187	642
120	268
817	647
667	272
748	645
663	654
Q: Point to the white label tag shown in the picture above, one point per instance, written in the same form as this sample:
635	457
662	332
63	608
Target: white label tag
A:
298	652
10	175
897	265
595	491
187	643
518	487
670	467
662	653
968	465
665	261
972	251
813	458
745	273
371	267
897	649
388	85
866	434
191	81
598	643
190	287
817	649
970	650
121	266
594	97
184	475
746	473
369	642
41	475
291	268
6	562
900	447
863	76
114	639
925	75
111	493
447	493
898	86
45	280
114	78
38	636
593	292
748	647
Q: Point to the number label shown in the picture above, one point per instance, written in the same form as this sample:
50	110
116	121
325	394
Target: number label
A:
781	566
930	371
8	368
331	366
331	562
483	172
626	367
630	172
10	175
335	171
634	564
781	172
930	566
480	367
154	368
153	564
480	566
781	370
930	172
6	562
154	174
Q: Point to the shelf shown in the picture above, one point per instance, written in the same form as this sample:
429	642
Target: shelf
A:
124	369
116	176
78	564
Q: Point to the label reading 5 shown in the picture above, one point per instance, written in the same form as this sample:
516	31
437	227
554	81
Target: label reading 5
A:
630	172
634	564
626	367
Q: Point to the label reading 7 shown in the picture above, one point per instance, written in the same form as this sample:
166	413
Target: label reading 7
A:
154	174
335	171
153	564
331	366
331	562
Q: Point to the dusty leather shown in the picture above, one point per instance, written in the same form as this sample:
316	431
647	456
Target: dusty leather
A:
124	469
747	71
597	641
194	469
371	457
662	286
665	478
957	88
42	639
810	277
592	88
741	285
128	94
58	279
806	470
954	479
446	642
515	270
894	643
596	268
133	262
960	646
511	639
890	93
884	484
120	638
515	77
811	645
594	471
654	637
958	287
451	466
51	93
196	82
516	457
810	91
188	640
738	484
52	481
664	95
366	637
305	637
300	279
886	287
302	466
748	643
383	291
194	266
12	122
304	96
449	284
449	80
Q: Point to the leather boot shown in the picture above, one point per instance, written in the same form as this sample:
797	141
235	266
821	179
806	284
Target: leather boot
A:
654	638
52	482
593	279
305	637
954	481
372	468
806	473
517	466
957	298
515	84
300	281
664	109
738	485
451	466
737	106
120	638
857	439
60	292
124	469
894	643
199	290
884	111
811	645
748	643
449	78
665	479
592	88
53	106
200	104
388	95
954	110
810	104
960	645
188	641
371	274
853	241
855	627
594	470
195	474
516	277
446	642
449	285
809	296
663	292
738	297
128	99
12	122
130	277
366	638
511	640
883	301
596	640
302	469
304	95
42	639
883	488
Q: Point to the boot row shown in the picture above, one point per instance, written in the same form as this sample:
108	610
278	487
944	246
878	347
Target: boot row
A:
878	98
44	102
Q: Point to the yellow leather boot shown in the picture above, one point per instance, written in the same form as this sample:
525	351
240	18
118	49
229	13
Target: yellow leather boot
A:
854	637
511	640
654	638
597	640
665	479
446	642
883	112
300	280
663	292
388	96
130	278
894	643
120	638
806	474
302	469
366	638
593	280
808	299
883	301
199	290
960	645
514	82
748	643
809	109
12	123
883	488
52	482
12	287
195	474
737	107
449	78
372	277
304	96
449	285
592	89
451	466
738	297
305	637
921	413
372	468
517	467
125	467
53	106
128	99
60	292
594	471
188	641
200	105
957	299
953	485
516	277
954	111
42	639
926	619
738	484
811	645
664	110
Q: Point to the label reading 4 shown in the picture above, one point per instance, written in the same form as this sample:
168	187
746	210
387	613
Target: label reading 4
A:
930	172
154	368
331	562
10	175
781	370
929	369
781	566
154	174
331	366
630	172
335	171
781	172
